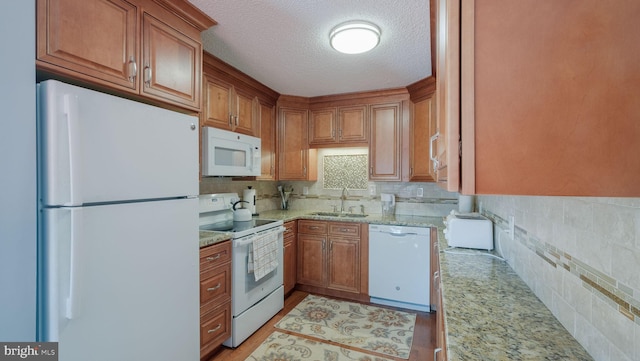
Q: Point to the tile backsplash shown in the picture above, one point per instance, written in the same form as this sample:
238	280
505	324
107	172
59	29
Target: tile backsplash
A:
581	257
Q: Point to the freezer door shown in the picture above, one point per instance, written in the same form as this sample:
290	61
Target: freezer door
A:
120	281
96	147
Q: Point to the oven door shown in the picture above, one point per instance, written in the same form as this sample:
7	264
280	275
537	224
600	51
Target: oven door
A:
246	291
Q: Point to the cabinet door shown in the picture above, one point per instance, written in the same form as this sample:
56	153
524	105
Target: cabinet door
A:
245	116
171	65
344	264
421	128
293	159
68	32
385	144
217	97
267	117
311	259
322	126
353	126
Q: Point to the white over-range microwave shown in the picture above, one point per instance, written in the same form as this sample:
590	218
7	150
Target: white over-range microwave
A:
226	153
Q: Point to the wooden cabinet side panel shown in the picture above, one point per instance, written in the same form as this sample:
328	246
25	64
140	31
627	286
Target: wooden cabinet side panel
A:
68	31
554	110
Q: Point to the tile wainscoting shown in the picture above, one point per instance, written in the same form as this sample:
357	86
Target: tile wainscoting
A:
581	257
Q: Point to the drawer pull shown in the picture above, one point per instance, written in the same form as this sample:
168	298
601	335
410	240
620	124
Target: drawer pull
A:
435	353
344	230
214	288
215	329
217	256
314	227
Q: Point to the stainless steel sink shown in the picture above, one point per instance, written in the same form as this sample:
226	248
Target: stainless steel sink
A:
338	214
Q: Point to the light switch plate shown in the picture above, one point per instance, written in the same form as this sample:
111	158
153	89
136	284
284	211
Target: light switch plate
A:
420	192
372	189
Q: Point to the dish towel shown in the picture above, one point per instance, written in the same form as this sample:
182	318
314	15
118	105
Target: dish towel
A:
263	255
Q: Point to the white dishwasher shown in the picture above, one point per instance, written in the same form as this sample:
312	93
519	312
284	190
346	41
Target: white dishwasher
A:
399	266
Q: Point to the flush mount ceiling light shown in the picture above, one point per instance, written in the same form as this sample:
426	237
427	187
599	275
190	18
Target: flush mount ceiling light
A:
354	37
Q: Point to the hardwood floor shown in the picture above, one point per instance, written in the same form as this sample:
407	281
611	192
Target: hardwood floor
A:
422	347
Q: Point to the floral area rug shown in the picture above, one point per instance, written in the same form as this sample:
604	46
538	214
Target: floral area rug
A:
284	347
376	329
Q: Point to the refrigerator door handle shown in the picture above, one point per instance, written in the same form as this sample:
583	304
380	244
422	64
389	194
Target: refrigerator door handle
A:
73	139
72	304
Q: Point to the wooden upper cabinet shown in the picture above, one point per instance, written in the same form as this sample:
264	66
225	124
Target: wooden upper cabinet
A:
226	108
422	127
339	127
385	145
295	160
135	47
267	118
72	37
353	126
543	105
323	126
171	63
216	104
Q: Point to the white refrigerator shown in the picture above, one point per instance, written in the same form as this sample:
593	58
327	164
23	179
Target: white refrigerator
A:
118	227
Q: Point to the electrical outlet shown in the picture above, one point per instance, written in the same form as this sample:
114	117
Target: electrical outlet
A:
420	192
305	191
372	189
512	227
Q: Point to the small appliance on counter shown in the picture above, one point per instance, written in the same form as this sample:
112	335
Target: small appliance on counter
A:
388	203
468	230
249	196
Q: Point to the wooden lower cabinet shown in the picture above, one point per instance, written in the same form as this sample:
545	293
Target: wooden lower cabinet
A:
290	256
215	296
330	258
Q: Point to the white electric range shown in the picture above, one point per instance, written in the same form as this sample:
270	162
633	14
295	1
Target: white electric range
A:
253	300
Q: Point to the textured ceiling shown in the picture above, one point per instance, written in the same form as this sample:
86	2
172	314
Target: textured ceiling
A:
284	44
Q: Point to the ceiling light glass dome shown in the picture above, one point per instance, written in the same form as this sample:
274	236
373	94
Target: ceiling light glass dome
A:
354	37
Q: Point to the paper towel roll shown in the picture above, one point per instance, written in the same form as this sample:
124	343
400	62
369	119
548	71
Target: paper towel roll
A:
249	195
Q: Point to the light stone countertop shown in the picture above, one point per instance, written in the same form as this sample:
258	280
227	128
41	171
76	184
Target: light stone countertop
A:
490	313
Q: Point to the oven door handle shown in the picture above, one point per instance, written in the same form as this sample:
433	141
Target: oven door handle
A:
249	239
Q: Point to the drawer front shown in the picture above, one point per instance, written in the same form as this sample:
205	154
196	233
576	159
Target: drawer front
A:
215	255
291	228
215	284
215	327
312	227
344	229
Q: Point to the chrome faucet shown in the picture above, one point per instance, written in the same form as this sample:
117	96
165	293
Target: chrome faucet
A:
345	194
